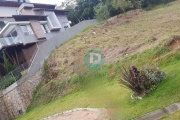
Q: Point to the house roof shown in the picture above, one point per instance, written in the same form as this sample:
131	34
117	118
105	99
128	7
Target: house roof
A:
17	4
28	17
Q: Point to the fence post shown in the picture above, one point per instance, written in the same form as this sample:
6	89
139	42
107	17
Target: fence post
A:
13	77
23	67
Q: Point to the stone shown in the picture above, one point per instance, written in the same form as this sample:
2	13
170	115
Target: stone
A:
19	98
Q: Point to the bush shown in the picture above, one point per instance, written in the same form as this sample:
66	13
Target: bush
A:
141	82
9	79
4	83
154	74
134	80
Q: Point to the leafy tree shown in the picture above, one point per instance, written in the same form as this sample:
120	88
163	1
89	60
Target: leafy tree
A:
103	9
148	3
102	12
112	11
122	5
136	3
7	64
83	9
67	4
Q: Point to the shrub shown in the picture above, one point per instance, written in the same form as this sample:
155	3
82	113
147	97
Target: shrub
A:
141	82
154	74
9	79
134	80
6	82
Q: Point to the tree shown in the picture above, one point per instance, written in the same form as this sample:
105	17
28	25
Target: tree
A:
148	3
136	3
81	9
7	65
112	11
67	4
122	5
102	12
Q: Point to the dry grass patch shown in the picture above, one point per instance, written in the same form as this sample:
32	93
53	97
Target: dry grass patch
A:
120	36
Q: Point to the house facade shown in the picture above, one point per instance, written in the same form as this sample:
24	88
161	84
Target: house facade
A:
23	25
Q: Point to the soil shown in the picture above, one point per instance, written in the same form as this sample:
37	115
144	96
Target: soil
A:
83	115
72	61
114	53
123	18
175	44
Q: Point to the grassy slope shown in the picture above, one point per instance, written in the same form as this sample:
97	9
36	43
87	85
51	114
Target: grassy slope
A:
101	90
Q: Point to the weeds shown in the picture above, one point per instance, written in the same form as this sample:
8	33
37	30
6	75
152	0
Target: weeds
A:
45	69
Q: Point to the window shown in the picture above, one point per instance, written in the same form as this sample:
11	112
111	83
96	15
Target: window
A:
12	37
45	28
26	29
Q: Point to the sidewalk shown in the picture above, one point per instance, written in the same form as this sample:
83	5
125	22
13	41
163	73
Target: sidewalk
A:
160	113
81	114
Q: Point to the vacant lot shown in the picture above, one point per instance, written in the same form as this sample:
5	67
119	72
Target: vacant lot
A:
135	38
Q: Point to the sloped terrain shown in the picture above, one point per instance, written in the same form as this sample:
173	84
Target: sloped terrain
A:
135	38
120	36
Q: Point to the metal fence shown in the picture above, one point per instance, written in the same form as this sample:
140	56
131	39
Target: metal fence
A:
13	76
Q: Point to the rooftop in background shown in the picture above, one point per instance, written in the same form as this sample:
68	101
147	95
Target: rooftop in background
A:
14	3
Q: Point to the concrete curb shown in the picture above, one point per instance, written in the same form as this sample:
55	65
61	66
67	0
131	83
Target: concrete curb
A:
160	113
73	110
155	115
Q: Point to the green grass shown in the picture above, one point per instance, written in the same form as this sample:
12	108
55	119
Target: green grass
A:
174	116
99	90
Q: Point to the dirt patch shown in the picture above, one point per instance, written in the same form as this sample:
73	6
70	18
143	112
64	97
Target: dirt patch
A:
124	18
114	53
83	115
98	38
175	43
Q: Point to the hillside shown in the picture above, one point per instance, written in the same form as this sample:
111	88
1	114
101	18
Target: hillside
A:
135	38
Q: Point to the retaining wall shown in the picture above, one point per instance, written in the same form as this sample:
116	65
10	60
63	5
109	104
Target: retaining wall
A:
17	97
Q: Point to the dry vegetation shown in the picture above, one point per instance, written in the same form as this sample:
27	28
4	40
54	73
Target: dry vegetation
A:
157	30
119	36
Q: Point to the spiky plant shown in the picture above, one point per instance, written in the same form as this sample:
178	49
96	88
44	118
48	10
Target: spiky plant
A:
141	82
134	80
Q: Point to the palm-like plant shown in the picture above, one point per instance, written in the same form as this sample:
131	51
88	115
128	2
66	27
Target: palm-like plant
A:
134	80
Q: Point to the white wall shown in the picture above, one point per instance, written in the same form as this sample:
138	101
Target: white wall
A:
63	21
8	11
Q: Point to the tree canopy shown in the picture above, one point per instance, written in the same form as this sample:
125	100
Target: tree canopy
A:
103	9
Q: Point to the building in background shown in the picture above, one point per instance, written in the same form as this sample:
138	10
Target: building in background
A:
23	25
